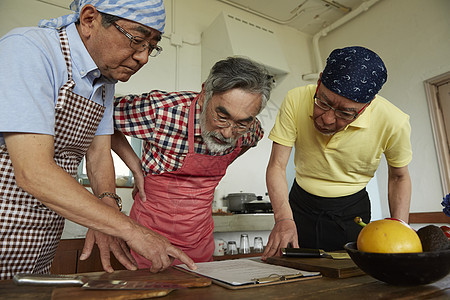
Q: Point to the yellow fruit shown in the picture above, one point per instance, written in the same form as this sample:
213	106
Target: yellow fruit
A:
388	236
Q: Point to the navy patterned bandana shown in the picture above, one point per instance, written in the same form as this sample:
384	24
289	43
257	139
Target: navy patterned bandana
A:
355	73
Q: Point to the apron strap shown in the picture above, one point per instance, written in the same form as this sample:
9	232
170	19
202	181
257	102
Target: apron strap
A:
191	125
69	85
65	49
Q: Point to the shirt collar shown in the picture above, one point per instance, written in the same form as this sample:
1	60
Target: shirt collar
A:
311	89
363	119
81	60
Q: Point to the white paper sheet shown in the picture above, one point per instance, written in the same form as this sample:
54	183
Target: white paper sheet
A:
243	271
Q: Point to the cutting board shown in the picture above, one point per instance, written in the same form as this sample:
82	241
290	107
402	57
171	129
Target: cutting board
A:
336	268
70	293
171	276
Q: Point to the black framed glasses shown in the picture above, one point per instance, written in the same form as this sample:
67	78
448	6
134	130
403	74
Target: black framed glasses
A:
140	44
225	123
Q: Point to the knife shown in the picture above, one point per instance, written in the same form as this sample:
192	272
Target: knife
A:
306	252
85	283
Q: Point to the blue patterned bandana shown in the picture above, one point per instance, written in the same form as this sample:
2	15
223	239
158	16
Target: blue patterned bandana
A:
355	73
150	13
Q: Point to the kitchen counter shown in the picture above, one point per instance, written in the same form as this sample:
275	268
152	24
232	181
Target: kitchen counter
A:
243	222
323	288
222	223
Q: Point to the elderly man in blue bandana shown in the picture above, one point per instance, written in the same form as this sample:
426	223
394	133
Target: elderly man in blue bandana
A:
340	128
57	107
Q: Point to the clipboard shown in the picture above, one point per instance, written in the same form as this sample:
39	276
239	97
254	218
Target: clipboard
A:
248	273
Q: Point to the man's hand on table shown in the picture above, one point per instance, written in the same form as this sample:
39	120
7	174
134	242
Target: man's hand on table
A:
153	246
107	244
283	234
157	249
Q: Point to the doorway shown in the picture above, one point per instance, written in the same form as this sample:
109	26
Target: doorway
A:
438	97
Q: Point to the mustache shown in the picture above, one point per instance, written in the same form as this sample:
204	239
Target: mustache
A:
220	137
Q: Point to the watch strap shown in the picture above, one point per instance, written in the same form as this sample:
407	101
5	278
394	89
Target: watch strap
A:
114	196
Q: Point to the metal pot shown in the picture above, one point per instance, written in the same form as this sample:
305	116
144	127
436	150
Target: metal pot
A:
258	207
236	201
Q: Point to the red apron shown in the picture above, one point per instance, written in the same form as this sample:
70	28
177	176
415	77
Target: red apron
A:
178	203
30	232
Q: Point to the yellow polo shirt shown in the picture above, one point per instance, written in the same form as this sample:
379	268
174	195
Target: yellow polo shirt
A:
344	163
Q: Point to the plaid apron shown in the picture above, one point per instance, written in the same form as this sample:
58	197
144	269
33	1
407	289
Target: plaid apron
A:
29	231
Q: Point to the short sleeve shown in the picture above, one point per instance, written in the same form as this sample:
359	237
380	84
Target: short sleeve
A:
27	88
252	137
398	152
284	131
134	115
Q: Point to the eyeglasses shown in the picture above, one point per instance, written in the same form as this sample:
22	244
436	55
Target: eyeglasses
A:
139	44
224	123
349	116
339	113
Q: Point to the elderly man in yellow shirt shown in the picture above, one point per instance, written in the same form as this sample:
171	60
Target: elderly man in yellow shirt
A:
340	128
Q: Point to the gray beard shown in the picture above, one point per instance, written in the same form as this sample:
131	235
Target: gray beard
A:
208	137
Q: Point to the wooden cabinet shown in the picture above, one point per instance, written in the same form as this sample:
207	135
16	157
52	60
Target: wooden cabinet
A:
67	259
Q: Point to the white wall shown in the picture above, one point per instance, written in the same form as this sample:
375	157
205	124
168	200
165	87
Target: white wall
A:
413	39
179	68
412	36
187	19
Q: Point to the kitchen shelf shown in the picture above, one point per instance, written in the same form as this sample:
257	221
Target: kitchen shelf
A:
236	256
243	222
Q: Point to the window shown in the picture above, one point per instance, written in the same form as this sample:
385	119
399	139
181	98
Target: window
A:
124	177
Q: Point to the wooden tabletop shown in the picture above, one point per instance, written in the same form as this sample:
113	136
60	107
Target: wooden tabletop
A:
323	288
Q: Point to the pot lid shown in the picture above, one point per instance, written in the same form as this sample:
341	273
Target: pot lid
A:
259	201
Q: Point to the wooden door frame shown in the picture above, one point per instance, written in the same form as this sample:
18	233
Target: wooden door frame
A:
437	122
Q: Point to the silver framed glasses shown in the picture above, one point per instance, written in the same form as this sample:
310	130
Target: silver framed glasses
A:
140	44
225	123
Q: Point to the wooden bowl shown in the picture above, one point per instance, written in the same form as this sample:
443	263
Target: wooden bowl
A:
402	268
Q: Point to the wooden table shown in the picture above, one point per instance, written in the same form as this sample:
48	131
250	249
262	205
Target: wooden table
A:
358	287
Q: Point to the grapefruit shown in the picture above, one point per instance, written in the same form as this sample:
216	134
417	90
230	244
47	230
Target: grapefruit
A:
388	236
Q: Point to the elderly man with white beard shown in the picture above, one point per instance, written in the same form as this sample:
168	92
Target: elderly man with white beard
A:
189	140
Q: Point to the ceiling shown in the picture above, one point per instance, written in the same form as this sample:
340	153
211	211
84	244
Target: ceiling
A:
308	16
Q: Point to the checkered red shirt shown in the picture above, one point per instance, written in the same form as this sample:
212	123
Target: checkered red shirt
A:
160	119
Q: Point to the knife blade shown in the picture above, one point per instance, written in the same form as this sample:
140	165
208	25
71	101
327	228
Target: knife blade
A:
306	252
85	283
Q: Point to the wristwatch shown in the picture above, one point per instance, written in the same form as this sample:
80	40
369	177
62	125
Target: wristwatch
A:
114	196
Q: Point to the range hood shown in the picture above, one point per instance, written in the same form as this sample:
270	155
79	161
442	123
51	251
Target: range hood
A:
230	35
